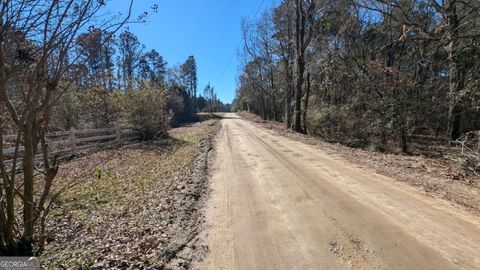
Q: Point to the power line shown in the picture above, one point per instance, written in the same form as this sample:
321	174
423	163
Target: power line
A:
239	43
227	26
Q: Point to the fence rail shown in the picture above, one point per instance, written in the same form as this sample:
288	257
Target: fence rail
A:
470	143
65	144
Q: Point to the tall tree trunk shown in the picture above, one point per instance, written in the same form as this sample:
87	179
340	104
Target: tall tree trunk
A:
403	140
195	100
264	110
300	63
298	106
7	210
287	56
8	183
288	107
456	82
288	94
305	106
28	169
274	99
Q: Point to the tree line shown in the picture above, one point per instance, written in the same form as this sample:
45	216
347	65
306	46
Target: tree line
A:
118	66
365	72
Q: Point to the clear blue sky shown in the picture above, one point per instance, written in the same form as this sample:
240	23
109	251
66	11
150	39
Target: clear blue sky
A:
208	29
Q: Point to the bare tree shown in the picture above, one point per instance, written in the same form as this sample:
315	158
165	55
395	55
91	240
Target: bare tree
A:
259	64
37	65
304	27
210	96
455	30
283	22
381	72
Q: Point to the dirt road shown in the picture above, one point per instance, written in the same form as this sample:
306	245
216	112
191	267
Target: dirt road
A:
282	204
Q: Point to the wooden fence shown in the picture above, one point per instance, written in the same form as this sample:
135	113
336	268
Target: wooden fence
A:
66	144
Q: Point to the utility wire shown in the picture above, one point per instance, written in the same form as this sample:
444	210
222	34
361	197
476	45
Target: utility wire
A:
241	40
227	27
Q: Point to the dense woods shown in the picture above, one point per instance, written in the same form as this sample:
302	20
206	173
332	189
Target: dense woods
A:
365	72
69	64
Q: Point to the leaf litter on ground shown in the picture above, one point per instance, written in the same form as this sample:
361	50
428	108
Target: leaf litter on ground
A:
135	208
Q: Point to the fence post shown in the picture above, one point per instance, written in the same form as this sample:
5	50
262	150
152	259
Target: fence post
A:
119	134
73	143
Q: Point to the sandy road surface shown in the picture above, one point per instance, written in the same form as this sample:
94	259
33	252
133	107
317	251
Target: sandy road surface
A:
282	204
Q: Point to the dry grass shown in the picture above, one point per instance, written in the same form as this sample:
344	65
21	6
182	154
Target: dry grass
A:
123	213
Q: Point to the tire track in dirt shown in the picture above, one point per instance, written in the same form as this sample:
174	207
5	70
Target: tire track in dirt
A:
281	204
